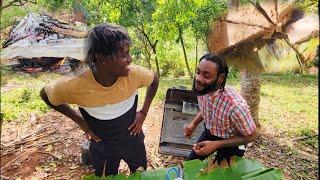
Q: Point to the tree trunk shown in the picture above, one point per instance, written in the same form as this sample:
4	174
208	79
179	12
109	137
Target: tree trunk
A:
184	52
250	90
250	78
195	67
148	54
147	51
149	61
153	47
1	121
155	58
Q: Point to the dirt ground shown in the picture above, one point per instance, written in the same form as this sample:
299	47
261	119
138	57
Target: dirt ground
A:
49	147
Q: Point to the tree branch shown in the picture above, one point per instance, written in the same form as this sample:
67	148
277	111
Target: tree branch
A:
17	3
262	11
243	23
153	46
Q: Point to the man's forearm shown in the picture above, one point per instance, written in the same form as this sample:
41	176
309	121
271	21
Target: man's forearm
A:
151	92
197	120
237	140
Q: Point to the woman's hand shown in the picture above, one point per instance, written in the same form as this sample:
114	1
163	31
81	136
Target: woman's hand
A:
91	136
136	127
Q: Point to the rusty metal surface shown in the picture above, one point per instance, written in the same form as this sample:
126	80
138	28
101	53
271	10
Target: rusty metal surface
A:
247	24
39	35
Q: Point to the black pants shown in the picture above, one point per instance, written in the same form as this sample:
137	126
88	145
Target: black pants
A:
222	153
116	143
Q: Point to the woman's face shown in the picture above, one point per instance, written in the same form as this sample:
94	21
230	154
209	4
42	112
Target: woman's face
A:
119	65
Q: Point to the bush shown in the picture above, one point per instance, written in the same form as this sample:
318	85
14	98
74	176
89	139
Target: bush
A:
171	68
21	101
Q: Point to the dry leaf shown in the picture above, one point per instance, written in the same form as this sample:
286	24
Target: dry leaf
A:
74	167
49	148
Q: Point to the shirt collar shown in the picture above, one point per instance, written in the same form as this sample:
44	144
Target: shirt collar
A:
212	95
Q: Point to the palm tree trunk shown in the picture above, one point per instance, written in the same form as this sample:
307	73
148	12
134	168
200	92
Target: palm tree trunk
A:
250	78
250	90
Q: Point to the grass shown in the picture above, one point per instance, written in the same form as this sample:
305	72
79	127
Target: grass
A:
14	13
289	103
20	94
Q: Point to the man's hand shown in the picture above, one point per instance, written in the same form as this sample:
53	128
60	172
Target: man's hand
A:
136	127
205	148
188	130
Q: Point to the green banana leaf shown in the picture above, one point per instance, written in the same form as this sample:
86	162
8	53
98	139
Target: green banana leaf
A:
219	174
158	174
135	176
246	166
192	168
241	169
270	173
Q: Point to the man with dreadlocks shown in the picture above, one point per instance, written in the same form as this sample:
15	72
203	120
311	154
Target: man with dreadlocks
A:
107	98
226	115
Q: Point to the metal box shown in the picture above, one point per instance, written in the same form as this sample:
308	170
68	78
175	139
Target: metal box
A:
180	108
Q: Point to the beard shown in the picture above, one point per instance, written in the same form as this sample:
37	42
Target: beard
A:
207	89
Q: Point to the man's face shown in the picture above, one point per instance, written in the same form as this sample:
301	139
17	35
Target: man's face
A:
119	66
206	77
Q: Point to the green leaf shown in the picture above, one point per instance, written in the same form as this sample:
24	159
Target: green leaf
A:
246	166
88	177
241	169
157	174
120	177
135	176
224	174
265	174
192	169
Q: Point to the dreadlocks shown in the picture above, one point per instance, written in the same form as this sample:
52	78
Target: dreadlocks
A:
221	64
105	41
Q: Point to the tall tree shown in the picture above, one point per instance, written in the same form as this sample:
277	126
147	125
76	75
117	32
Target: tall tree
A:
206	12
173	18
250	75
133	14
138	15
